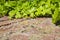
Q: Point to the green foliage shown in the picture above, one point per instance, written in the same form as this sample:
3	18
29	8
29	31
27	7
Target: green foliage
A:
56	16
30	8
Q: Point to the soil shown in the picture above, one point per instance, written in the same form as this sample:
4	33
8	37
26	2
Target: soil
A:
28	29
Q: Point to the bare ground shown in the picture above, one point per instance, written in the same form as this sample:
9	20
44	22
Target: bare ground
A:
28	29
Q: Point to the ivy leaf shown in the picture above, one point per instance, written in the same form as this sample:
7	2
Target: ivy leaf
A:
55	0
55	16
10	3
41	3
53	6
18	15
12	13
24	15
32	15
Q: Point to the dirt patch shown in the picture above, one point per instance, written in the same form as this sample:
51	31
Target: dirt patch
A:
29	29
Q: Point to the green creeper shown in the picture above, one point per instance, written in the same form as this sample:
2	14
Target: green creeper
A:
55	16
